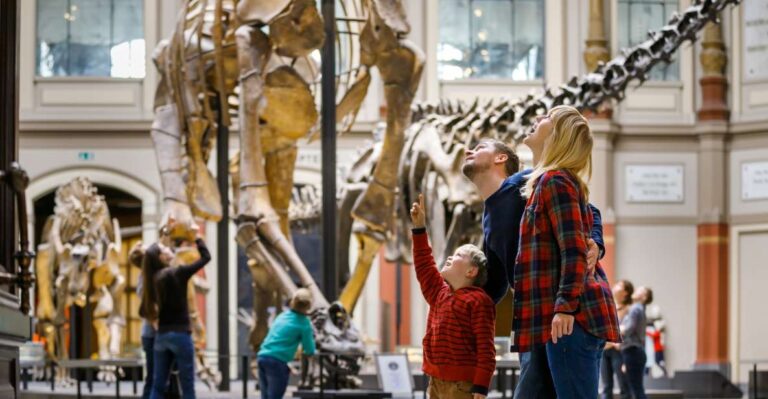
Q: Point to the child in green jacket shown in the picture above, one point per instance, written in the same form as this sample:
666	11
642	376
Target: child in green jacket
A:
289	329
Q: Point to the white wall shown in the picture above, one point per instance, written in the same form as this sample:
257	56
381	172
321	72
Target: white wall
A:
752	275
135	157
663	257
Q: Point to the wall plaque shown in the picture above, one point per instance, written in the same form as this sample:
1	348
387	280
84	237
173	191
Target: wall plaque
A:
754	181
654	183
755	39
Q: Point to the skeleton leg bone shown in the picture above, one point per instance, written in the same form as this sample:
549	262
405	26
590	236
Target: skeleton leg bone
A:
166	135
368	245
265	295
254	204
401	70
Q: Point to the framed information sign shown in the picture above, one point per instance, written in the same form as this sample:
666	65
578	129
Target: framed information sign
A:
654	183
394	373
754	180
755	39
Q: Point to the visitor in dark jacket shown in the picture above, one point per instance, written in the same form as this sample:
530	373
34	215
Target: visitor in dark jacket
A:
173	341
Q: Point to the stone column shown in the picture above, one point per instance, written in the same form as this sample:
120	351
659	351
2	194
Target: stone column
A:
597	49
714	84
601	187
712	231
597	44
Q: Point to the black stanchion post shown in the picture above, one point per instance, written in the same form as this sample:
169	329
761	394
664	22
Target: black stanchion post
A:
245	376
117	382
53	376
330	278
222	242
322	385
754	380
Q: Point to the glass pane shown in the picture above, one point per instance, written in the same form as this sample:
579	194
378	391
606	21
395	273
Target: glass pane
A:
528	58
454	46
90	38
127	52
52	32
636	18
491	39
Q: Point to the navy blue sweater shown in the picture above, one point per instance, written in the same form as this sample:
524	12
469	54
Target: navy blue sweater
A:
501	233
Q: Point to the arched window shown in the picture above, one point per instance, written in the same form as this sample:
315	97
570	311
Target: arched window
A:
500	39
90	38
636	18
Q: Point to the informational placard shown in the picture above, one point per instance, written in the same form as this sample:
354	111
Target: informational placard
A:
654	183
755	39
394	373
754	180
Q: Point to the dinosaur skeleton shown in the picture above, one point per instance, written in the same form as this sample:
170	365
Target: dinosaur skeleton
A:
222	61
78	264
221	58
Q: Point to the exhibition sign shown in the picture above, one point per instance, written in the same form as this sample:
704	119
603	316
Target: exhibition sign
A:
654	183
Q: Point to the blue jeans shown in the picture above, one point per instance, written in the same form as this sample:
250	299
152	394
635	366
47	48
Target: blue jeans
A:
170	346
575	364
148	344
535	378
610	366
273	377
634	360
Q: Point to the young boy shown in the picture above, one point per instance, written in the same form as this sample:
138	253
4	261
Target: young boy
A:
279	347
459	354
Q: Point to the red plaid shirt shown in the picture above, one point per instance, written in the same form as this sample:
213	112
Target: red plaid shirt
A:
551	268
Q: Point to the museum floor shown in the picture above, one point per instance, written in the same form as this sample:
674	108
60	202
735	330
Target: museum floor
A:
39	390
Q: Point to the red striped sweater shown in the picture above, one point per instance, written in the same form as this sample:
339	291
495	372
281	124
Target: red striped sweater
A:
458	345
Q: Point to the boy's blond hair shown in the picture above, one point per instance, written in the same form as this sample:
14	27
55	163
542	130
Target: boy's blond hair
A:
301	302
476	258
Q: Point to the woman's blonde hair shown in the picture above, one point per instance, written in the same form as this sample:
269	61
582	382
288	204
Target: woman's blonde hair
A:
568	147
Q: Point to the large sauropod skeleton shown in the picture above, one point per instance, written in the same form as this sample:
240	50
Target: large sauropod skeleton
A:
77	264
254	59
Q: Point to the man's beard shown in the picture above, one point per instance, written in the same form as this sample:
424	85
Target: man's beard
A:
472	169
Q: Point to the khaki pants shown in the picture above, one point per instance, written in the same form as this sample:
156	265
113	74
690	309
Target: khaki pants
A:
441	389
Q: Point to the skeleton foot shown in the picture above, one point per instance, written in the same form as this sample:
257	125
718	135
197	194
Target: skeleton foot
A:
210	377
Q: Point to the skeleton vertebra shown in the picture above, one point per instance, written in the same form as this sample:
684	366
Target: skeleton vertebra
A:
77	263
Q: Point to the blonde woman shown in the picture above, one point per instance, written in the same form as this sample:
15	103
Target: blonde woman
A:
559	306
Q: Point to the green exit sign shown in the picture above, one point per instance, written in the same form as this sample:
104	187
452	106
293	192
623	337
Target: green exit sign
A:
85	156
